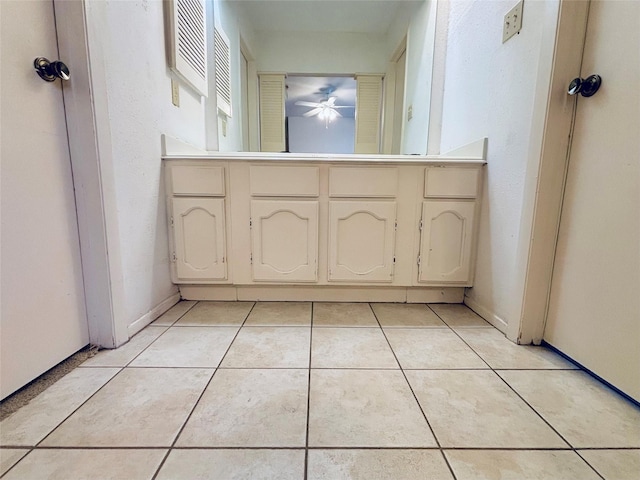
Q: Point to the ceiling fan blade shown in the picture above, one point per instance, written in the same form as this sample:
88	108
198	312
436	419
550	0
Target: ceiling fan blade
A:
337	113
313	112
308	104
331	101
344	106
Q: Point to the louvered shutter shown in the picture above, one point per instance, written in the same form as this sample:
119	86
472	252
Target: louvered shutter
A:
272	98
368	112
186	25
223	71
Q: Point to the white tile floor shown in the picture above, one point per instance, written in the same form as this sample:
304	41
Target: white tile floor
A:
323	391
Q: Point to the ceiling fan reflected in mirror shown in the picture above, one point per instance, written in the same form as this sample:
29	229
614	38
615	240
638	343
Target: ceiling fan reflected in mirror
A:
326	109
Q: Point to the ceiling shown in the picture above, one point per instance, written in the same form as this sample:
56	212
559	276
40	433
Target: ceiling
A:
356	16
316	89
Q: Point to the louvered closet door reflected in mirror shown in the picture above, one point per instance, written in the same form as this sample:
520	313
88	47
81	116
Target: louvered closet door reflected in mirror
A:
320	114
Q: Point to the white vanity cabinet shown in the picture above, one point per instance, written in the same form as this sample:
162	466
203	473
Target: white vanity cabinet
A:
361	241
199	237
362	224
448	225
197	222
284	241
281	227
284	223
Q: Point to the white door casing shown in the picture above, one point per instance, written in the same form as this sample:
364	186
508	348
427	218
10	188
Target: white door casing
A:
284	240
199	229
43	316
362	241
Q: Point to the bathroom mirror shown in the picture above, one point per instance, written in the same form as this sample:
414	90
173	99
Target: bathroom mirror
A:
337	39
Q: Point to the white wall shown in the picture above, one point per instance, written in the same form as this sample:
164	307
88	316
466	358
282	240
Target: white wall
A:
318	53
309	135
126	41
489	91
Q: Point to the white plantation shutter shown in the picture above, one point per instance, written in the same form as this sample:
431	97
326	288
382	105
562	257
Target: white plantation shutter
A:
272	98
368	113
223	70
186	30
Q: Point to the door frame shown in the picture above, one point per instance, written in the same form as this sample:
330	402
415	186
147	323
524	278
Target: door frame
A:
389	99
546	178
89	134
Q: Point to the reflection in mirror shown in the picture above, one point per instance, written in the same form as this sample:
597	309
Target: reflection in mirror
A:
320	114
332	39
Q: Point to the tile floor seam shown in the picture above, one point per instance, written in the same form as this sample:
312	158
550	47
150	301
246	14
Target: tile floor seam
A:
156	339
306	442
409	384
590	466
466	343
414	393
20	460
510	387
195	405
320	447
186	311
534	410
121	369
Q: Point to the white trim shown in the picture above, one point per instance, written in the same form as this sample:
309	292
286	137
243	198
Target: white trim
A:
559	62
86	110
297	293
97	23
252	105
436	107
153	314
485	313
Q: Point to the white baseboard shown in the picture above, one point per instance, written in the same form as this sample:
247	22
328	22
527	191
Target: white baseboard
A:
485	313
154	313
298	293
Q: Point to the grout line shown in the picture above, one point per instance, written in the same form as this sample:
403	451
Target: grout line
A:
511	388
195	405
321	447
306	449
590	466
120	370
156	339
414	393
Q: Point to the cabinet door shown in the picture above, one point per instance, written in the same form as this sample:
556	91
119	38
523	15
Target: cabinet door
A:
361	241
284	241
445	250
199	230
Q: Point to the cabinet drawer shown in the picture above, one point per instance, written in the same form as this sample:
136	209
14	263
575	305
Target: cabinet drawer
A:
283	181
197	181
451	182
363	182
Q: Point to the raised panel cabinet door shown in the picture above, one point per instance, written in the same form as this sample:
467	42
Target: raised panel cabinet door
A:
361	241
199	229
284	241
445	249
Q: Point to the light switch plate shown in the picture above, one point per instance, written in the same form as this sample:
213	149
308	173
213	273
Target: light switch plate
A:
512	22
